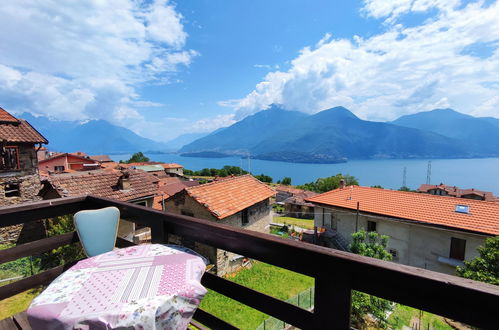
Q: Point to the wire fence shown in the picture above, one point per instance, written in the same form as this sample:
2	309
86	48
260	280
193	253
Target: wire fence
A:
304	299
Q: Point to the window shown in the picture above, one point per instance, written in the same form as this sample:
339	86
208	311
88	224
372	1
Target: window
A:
12	190
244	217
142	203
371	226
457	248
9	158
59	168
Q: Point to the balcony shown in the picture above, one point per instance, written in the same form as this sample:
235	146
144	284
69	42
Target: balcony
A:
336	273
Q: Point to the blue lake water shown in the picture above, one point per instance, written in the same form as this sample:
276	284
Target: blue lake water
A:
480	173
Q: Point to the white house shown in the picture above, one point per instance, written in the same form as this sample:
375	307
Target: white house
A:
426	231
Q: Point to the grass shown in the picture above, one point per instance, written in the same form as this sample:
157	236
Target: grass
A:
402	315
17	303
303	223
274	281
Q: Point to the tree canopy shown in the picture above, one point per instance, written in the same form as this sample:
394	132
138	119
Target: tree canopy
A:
333	182
369	244
286	181
223	172
264	178
485	267
137	157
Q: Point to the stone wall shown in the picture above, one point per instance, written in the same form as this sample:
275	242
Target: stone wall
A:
29	186
259	219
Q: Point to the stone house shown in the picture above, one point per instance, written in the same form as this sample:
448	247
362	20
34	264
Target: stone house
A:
240	201
426	231
173	169
294	201
19	180
133	186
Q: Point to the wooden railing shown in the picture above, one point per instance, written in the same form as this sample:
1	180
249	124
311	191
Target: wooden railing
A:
336	273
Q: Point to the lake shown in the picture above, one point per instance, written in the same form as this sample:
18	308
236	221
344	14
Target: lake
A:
482	174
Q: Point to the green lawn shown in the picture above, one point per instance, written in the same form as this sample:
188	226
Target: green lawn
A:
274	281
402	315
304	223
17	303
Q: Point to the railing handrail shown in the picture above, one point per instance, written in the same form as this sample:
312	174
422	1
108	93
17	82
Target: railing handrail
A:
336	272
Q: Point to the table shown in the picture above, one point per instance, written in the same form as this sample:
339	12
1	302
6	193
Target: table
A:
149	286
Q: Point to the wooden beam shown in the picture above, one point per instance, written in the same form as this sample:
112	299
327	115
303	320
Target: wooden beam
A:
27	212
36	247
279	309
43	278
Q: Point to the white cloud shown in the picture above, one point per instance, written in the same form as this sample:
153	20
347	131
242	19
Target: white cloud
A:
211	124
85	59
400	71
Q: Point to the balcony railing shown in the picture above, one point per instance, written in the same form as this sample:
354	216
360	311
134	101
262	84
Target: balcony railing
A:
336	273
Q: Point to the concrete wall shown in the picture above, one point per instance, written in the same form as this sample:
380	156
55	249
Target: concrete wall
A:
415	245
259	219
178	171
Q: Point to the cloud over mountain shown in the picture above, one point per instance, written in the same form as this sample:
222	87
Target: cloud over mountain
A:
447	57
85	60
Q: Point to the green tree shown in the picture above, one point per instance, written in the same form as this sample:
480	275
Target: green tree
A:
286	181
373	245
326	184
137	157
264	178
404	188
64	254
375	186
485	267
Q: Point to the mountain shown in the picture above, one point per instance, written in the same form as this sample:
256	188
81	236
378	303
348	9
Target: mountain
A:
92	137
478	134
329	136
242	136
184	139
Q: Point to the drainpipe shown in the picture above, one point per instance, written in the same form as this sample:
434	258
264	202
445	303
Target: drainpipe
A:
357	218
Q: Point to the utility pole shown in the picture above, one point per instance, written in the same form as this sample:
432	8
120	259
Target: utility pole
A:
404	178
428	173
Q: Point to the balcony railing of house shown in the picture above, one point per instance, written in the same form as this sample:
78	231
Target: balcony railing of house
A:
336	273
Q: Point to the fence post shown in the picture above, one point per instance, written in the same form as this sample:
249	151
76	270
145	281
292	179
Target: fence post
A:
332	300
310	300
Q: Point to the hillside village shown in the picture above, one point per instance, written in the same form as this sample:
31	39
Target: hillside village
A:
436	228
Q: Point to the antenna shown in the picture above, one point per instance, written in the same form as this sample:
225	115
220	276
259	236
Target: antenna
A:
404	178
428	173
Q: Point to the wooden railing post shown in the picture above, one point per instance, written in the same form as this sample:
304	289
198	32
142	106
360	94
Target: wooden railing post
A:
332	301
158	233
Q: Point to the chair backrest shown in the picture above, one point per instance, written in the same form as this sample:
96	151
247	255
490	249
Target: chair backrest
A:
97	229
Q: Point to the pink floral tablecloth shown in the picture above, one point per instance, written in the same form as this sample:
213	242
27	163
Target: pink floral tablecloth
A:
148	286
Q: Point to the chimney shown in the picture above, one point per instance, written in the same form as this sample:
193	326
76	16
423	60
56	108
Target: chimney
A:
342	184
124	181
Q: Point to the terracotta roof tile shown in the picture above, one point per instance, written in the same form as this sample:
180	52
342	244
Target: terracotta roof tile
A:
7	117
104	183
226	197
18	130
171	165
483	216
101	158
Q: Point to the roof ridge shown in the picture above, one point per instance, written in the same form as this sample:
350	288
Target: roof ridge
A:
225	179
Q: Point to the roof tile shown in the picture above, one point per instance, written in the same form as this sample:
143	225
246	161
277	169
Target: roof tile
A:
226	197
483	216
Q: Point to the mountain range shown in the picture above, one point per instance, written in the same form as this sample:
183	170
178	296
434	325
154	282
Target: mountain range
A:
330	136
336	134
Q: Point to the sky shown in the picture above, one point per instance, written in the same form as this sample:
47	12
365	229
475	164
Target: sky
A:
164	68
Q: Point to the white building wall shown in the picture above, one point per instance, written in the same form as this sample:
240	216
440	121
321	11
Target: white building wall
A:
415	245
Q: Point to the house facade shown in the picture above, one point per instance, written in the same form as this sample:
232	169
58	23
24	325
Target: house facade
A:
67	162
294	201
19	179
432	232
241	201
453	191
